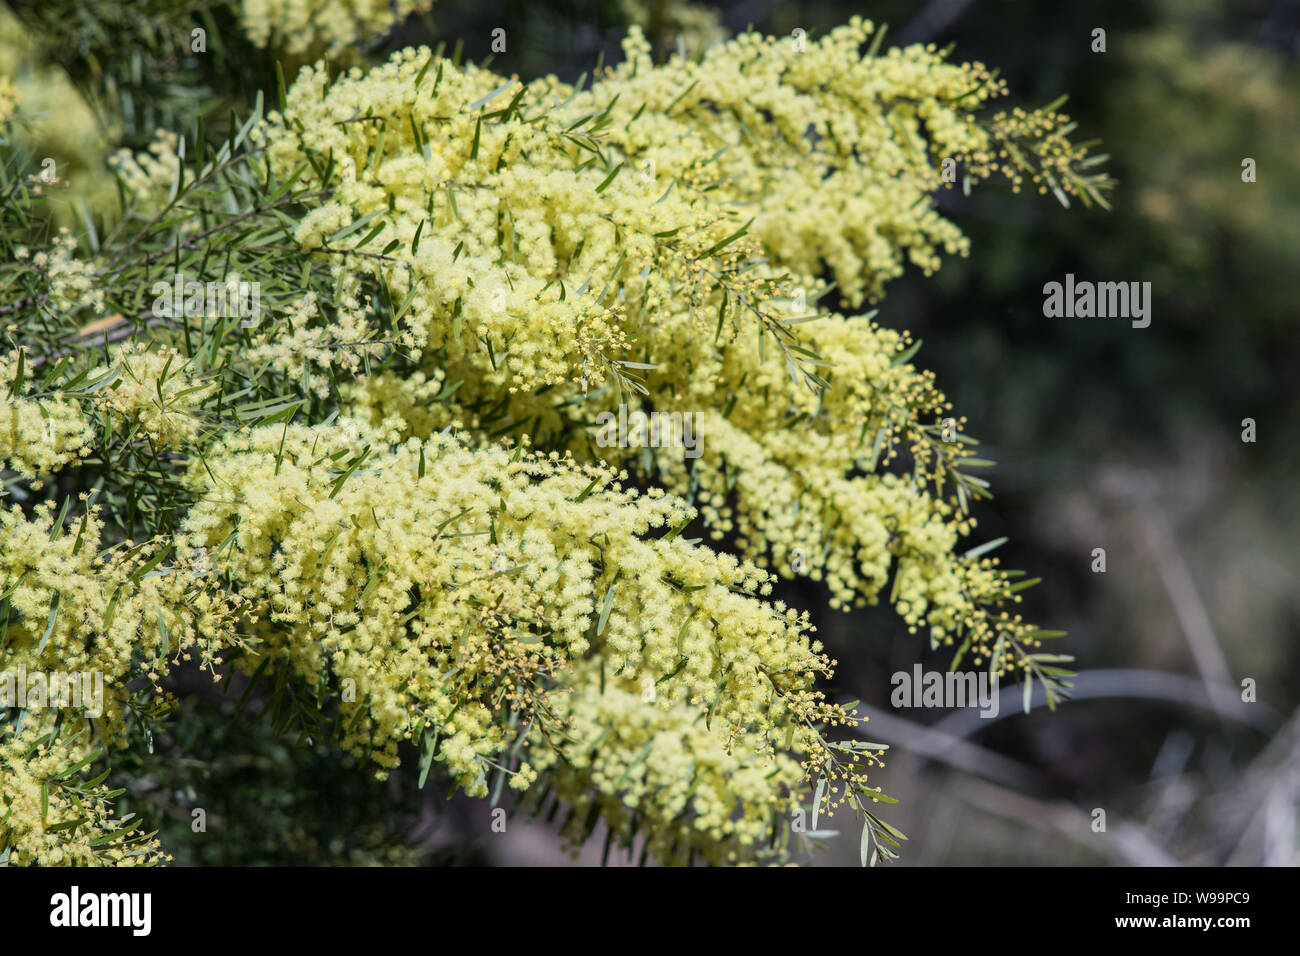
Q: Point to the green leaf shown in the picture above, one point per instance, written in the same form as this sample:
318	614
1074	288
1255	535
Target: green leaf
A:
889	829
57	527
429	748
586	491
984	549
438	530
163	633
138	575
279	85
80	764
449	390
374	580
1021	586
49	624
379	227
478	132
606	606
406	303
352	467
876	41
906	356
65	825
486	97
19	374
719	246
111	609
678	98
352	227
997	652
610	178
681	664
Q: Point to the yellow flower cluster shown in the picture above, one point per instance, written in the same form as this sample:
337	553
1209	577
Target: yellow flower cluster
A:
323	26
637	765
67	606
540	237
301	343
835	152
432	584
151	386
72	607
549	254
48	820
39	434
72	282
148	176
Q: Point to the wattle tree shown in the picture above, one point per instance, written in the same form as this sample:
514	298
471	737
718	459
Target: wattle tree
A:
379	488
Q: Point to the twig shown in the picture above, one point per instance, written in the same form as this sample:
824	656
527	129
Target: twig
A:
1127	841
1224	701
1177	578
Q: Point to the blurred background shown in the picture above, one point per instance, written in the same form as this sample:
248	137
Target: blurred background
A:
1106	436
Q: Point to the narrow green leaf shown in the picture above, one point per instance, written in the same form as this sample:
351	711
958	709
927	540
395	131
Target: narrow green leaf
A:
606	606
486	97
478	132
49	624
904	357
610	178
984	549
719	246
163	633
